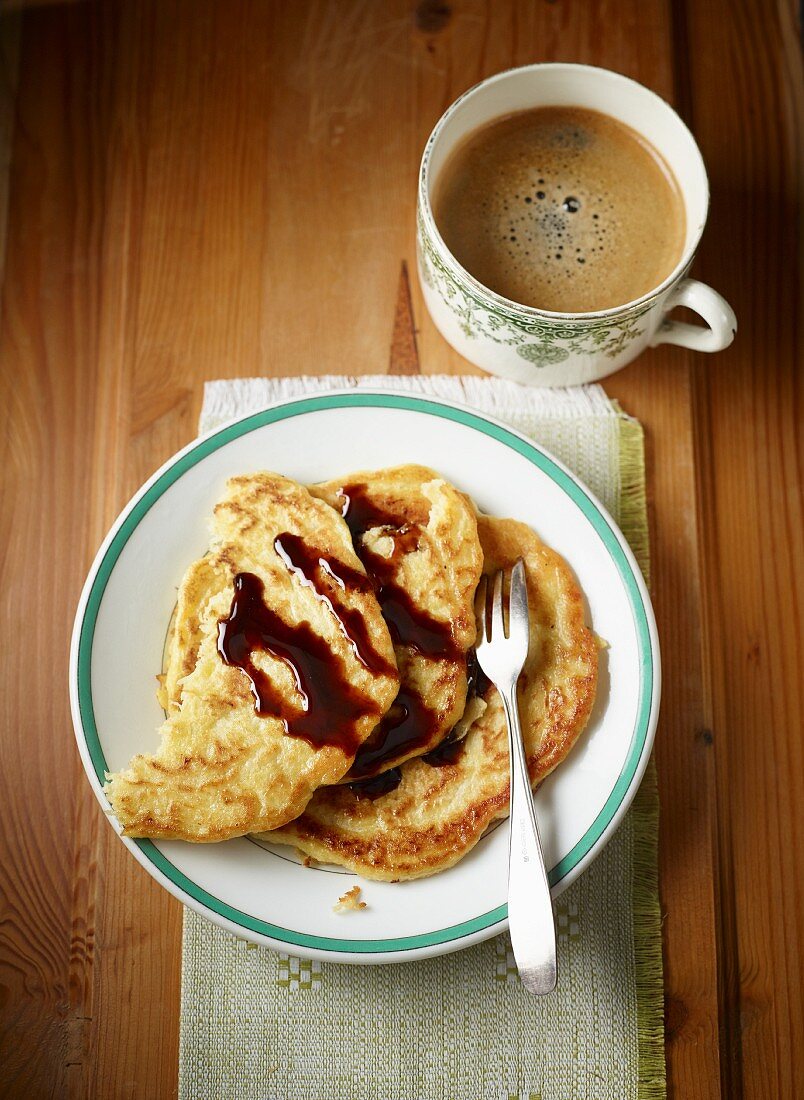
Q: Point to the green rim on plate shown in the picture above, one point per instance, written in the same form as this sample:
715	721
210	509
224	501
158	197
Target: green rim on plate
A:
206	446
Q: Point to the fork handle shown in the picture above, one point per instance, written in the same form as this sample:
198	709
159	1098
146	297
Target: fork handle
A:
530	907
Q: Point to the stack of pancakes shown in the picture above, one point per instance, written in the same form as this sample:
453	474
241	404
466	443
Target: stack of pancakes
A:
320	684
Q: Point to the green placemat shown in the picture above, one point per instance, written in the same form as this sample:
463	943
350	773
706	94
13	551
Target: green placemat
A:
263	1025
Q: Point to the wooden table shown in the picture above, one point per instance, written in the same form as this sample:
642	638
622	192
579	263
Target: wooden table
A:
199	190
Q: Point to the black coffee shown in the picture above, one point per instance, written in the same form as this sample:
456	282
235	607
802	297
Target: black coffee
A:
561	208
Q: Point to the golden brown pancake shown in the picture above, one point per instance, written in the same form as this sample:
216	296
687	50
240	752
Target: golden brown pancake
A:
437	814
417	537
281	667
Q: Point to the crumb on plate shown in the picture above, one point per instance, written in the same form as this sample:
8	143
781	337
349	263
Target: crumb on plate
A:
350	902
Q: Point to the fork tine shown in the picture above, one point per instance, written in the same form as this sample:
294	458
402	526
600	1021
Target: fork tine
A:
498	626
518	597
481	612
488	603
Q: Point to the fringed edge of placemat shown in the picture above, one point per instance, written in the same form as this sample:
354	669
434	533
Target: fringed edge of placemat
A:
228	398
633	492
648	939
645	814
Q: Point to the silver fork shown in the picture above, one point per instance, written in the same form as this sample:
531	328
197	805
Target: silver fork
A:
530	910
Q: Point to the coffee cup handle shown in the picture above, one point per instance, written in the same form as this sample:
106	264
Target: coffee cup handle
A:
714	309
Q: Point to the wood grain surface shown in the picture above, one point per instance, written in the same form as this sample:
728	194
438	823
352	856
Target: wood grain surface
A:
192	190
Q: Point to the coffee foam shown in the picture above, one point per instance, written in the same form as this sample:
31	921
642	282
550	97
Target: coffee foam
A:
562	209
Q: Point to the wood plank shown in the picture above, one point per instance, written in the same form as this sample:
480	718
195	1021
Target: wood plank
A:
10	24
656	390
46	413
64	349
748	416
404	356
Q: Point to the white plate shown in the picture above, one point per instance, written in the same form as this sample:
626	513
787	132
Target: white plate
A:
263	893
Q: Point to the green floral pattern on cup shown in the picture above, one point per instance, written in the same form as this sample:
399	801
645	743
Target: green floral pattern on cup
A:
543	353
539	341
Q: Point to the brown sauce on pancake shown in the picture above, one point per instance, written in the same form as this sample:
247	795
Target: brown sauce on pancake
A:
318	572
362	513
477	682
409	718
407	623
378	785
450	749
409	723
448	752
332	707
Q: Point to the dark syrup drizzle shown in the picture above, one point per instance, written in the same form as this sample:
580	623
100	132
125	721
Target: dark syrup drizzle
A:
361	513
450	749
378	785
407	623
329	581
448	752
477	682
410	722
331	707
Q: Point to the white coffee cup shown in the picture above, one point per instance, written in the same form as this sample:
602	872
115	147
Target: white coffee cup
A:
541	347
